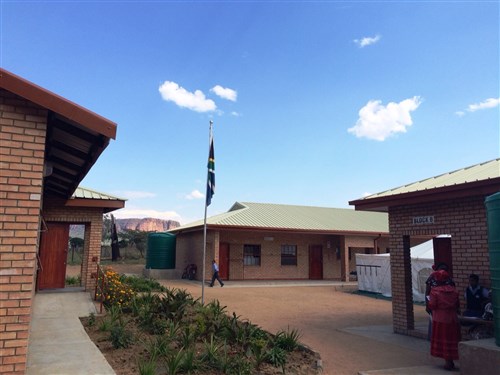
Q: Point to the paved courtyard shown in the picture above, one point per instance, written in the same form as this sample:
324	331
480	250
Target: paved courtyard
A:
351	332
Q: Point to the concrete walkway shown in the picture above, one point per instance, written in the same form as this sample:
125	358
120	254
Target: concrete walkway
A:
58	343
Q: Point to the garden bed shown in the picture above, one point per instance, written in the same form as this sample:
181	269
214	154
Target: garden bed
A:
171	333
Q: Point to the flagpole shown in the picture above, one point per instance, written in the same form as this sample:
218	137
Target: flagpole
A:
205	224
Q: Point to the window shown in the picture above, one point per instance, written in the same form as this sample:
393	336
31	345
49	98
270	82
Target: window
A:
251	255
288	255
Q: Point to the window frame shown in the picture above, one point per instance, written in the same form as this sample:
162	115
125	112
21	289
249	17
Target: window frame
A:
290	259
252	255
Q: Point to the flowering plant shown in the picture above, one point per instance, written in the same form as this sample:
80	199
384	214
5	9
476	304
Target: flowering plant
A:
115	292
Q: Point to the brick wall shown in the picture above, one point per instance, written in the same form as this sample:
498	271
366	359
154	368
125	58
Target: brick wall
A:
189	249
22	144
463	219
54	211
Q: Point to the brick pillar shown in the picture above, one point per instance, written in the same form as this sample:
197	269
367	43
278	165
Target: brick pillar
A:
216	245
92	251
402	294
22	147
344	260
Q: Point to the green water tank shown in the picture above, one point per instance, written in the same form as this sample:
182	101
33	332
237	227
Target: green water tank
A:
161	251
493	214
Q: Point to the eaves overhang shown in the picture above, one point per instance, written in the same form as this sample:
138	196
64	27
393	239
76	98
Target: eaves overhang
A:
235	228
475	188
75	136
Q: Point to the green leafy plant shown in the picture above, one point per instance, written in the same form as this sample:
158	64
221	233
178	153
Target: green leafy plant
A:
277	357
147	367
105	325
91	320
120	337
287	340
187	336
73	280
258	350
211	351
239	365
142	284
189	361
174	362
158	347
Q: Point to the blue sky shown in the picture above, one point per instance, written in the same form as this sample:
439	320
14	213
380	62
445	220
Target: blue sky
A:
313	103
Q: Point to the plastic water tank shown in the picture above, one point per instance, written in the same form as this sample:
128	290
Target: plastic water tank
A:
161	251
493	213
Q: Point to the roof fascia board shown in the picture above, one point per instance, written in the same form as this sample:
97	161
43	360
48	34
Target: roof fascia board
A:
57	104
483	187
280	230
95	203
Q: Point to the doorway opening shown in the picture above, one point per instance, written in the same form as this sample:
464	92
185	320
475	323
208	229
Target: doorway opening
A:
75	256
424	253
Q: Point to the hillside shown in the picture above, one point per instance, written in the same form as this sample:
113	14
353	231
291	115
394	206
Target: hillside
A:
143	225
146	224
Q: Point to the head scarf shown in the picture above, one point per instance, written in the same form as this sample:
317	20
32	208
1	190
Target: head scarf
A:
442	277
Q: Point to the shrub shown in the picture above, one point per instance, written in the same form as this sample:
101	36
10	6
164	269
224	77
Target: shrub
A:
73	280
258	349
116	292
142	284
120	337
287	340
147	367
277	357
91	320
158	347
174	362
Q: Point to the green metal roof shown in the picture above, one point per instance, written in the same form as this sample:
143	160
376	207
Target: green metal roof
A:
479	172
85	193
301	218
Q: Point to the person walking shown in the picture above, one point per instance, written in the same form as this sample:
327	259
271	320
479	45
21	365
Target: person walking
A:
215	270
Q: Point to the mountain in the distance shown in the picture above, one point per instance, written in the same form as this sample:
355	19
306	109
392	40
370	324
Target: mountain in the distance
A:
148	224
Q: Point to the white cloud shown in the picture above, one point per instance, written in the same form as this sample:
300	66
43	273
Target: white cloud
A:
225	93
366	41
488	103
235	114
195	194
379	122
172	92
125	213
131	194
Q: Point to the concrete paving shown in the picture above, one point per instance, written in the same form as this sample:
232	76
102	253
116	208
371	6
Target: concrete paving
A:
58	343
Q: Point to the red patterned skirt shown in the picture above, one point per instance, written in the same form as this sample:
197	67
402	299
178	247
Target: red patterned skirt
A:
444	340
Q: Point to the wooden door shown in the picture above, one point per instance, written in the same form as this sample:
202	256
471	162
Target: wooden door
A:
224	260
315	262
53	255
442	252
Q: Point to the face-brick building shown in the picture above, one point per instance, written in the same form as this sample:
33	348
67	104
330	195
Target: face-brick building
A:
263	241
450	204
47	146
